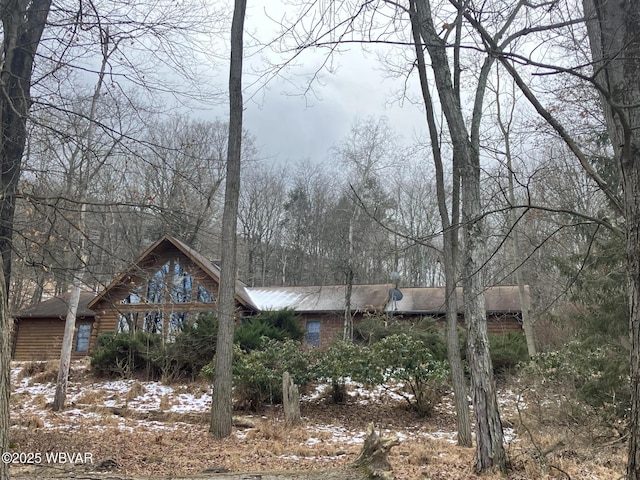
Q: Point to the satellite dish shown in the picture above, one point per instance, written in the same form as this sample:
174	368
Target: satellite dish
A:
395	295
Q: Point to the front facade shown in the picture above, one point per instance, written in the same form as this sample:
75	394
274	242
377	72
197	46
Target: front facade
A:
171	284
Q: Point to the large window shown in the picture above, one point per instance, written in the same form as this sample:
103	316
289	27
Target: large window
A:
313	333
83	335
154	306
171	283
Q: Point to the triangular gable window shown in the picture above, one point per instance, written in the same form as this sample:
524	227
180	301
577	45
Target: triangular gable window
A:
170	284
155	306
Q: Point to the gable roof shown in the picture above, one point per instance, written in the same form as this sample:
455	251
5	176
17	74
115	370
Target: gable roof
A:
57	307
197	258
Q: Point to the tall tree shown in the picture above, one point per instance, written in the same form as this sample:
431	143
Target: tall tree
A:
85	170
505	125
261	216
614	35
490	452
307	226
450	243
22	27
366	154
221	407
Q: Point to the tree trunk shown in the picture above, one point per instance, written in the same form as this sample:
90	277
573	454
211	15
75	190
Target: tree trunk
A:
5	376
67	345
347	335
374	456
221	407
290	400
631	179
614	35
450	249
80	227
489	436
22	26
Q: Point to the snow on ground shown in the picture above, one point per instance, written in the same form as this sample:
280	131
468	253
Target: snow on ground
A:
87	404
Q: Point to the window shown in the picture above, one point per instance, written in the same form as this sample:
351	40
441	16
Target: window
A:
204	295
313	333
181	286
152	322
83	335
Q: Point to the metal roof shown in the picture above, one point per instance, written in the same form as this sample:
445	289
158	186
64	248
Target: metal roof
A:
431	300
328	298
416	300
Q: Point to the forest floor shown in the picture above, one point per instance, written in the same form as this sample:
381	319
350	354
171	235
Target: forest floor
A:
149	430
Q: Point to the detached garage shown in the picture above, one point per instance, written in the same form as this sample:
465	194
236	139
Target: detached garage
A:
39	329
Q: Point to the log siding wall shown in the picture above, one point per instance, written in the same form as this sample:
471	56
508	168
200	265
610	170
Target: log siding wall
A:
41	339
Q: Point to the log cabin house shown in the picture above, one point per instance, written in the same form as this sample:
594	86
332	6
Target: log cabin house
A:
170	284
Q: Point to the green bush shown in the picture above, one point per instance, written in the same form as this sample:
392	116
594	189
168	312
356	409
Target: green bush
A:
406	360
372	329
340	362
278	325
400	363
257	374
142	353
124	354
596	377
507	351
192	349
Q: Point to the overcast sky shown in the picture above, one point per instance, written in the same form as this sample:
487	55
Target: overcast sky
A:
290	127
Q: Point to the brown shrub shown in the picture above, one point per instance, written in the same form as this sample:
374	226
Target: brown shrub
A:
136	390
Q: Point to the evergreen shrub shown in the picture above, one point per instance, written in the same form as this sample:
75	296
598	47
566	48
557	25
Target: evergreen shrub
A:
598	378
374	328
257	374
507	351
277	324
125	354
142	353
192	349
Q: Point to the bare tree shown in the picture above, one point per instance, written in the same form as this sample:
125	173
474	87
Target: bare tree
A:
505	129
489	436
182	176
261	212
365	156
308	226
85	170
221	405
450	248
614	35
22	27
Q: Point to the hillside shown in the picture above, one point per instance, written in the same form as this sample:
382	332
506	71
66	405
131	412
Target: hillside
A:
131	427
